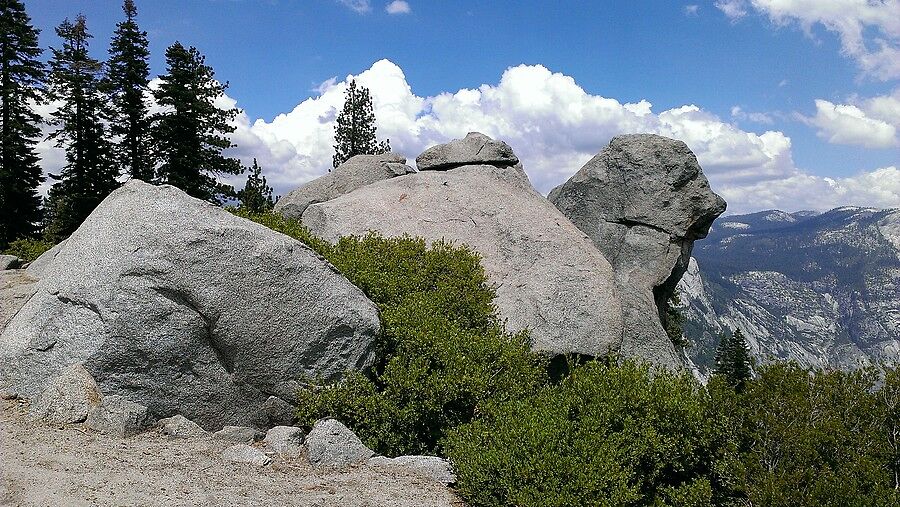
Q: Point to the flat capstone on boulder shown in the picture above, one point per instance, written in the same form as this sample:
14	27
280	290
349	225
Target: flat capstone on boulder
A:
474	149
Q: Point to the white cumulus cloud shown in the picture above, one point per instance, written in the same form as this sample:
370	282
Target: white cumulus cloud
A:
869	30
398	7
871	123
554	126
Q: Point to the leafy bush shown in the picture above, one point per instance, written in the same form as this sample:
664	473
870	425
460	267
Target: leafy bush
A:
450	380
28	249
809	438
443	355
606	435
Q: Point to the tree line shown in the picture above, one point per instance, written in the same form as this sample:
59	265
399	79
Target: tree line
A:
101	118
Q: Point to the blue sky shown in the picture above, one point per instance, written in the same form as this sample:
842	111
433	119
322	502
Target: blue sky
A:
555	79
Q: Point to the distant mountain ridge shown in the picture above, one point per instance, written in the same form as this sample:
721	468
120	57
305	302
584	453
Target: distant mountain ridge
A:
822	289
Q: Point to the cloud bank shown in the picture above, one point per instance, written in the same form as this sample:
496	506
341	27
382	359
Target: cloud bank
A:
869	30
555	127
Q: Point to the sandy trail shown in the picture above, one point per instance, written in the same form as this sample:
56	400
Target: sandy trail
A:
42	465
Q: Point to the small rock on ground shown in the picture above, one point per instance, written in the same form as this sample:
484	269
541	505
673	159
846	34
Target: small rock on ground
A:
239	434
243	453
179	426
433	467
285	441
119	417
332	444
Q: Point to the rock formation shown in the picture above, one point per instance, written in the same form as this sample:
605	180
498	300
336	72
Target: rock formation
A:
550	278
643	200
182	307
357	172
474	149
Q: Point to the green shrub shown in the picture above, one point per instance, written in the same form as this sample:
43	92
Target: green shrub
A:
810	438
606	435
28	249
443	354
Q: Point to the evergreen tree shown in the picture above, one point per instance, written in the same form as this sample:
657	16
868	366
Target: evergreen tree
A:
733	359
21	78
126	83
191	132
90	173
674	321
354	132
256	197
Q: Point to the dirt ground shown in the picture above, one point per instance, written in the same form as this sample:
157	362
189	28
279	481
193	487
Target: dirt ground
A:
43	465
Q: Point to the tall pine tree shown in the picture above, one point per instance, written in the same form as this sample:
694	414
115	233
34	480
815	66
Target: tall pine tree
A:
354	132
190	134
733	359
21	79
127	77
90	172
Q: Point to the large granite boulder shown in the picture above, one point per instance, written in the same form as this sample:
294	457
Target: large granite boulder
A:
182	307
357	172
643	200
549	277
475	148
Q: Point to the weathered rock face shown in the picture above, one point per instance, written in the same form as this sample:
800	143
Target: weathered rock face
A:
643	201
476	148
16	287
550	279
357	172
184	308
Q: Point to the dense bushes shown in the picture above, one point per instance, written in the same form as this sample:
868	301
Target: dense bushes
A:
811	437
28	249
449	380
606	435
443	355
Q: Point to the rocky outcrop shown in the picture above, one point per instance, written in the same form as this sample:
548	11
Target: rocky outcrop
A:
475	149
550	278
182	307
643	200
357	172
821	289
331	444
